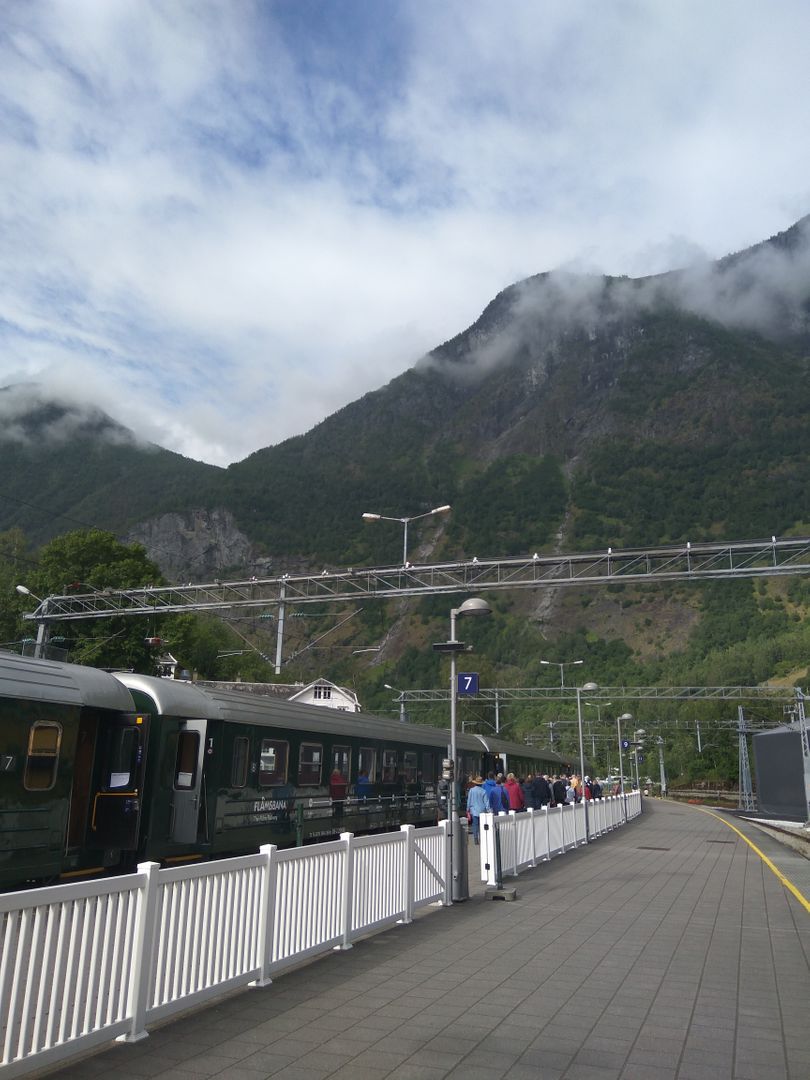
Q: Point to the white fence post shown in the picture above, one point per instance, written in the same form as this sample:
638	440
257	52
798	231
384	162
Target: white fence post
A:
487	841
531	812
266	914
348	890
142	953
409	871
514	835
444	825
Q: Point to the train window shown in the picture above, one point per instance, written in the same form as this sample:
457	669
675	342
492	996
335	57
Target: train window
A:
273	763
185	763
123	746
389	767
239	762
44	741
310	760
341	756
367	762
410	768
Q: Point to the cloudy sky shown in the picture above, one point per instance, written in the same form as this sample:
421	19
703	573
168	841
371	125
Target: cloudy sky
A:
223	220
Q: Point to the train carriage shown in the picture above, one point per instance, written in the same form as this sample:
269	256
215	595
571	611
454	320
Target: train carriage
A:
99	771
72	762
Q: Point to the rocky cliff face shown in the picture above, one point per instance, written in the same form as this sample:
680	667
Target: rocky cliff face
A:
197	545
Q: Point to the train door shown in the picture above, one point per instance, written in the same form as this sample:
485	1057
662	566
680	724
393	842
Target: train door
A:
187	784
121	762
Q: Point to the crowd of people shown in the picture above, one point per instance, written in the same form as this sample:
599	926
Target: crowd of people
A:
497	793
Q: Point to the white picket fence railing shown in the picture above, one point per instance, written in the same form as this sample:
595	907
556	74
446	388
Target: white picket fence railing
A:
85	963
516	841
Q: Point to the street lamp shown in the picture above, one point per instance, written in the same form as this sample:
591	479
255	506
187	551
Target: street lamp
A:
458	859
636	733
405	521
627	718
588	688
42	626
598	705
561	666
401	693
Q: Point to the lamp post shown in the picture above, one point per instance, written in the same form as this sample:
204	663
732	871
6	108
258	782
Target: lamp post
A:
627	718
458	853
598	705
42	626
636	733
588	688
660	742
401	693
405	521
562	666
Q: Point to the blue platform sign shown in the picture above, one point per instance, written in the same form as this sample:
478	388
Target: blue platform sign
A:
467	682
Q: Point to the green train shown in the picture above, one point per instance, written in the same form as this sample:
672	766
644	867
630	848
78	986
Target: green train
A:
101	771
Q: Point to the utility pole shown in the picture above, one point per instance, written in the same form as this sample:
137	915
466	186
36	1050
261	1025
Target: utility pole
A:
661	766
803	734
745	800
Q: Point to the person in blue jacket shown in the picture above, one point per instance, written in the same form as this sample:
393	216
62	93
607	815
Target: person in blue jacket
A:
498	798
477	804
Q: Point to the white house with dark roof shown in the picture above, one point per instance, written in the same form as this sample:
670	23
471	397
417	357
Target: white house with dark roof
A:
318	692
323	692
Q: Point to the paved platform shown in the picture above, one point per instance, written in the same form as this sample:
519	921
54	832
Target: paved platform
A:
667	949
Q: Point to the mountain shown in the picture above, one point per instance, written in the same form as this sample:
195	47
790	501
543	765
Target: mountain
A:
620	411
67	466
590	409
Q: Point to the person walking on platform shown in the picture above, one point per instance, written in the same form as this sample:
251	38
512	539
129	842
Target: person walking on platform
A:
501	787
514	793
542	791
492	792
529	798
477	804
559	790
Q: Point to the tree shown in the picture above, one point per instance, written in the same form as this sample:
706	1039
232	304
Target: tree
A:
92	560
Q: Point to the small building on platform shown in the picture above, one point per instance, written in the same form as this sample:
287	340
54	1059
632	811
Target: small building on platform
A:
783	773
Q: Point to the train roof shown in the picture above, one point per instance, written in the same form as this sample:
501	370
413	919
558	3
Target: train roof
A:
184	699
74	684
65	684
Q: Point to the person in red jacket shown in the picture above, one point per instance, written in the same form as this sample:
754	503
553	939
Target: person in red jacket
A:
515	793
338	787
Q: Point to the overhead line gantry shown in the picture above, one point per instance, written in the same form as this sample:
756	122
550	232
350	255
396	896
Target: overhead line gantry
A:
683	562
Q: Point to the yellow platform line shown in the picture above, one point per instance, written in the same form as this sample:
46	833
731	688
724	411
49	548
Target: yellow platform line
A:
785	881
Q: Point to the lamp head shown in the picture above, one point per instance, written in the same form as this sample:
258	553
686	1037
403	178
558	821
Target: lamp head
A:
474	606
626	717
589	687
22	589
371	517
441	509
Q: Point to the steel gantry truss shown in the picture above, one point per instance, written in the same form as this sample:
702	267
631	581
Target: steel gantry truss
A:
689	562
606	693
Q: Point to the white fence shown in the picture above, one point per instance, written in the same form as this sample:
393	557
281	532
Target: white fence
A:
85	963
516	841
82	964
